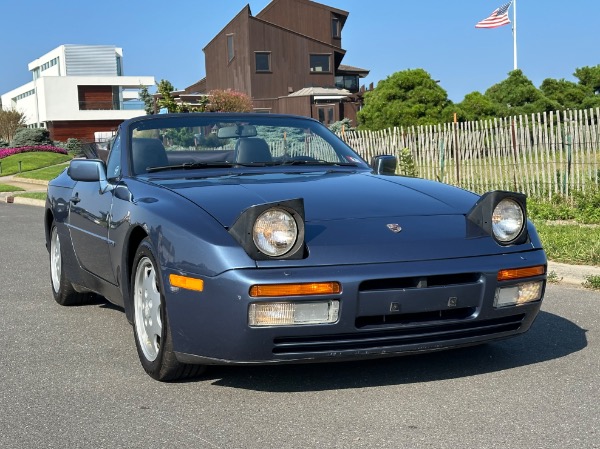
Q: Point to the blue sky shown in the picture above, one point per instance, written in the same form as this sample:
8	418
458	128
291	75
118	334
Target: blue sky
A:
165	39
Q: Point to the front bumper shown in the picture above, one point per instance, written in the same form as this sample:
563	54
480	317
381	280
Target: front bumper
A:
385	309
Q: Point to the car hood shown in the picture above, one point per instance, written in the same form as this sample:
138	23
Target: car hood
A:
326	195
355	218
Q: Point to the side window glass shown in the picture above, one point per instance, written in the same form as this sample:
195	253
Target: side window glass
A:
113	167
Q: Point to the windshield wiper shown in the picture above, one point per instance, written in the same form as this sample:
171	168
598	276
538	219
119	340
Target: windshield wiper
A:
318	162
199	165
191	165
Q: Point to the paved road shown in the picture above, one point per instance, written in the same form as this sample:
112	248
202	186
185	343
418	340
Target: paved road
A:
69	377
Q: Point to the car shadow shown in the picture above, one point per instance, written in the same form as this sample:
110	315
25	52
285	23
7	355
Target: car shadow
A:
550	337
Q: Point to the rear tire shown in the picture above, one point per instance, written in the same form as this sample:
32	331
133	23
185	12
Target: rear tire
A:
150	321
62	289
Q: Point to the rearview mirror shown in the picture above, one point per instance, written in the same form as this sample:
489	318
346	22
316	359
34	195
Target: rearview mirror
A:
234	131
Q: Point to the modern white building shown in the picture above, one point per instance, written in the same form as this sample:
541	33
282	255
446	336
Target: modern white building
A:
77	91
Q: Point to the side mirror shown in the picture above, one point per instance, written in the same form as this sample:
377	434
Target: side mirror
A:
384	165
89	170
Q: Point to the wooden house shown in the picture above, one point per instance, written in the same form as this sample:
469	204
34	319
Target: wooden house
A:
288	59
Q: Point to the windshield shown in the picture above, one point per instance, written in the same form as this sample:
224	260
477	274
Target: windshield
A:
194	141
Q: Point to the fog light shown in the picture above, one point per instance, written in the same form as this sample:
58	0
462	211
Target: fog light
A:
293	313
518	294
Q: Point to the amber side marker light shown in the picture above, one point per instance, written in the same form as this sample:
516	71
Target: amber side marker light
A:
186	282
317	288
520	273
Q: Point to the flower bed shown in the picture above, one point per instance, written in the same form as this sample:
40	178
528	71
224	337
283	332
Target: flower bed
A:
5	152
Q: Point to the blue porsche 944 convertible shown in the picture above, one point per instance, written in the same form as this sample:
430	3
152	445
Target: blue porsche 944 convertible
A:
263	238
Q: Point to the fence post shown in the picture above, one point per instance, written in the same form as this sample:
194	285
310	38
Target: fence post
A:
514	148
568	173
456	151
442	161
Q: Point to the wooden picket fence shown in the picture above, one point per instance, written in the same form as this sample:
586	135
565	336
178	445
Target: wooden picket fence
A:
541	155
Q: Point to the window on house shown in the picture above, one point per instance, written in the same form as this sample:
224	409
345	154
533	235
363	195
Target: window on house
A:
336	28
320	63
263	61
230	50
326	114
349	82
119	66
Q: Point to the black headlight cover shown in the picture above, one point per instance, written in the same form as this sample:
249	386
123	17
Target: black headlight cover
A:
241	230
480	215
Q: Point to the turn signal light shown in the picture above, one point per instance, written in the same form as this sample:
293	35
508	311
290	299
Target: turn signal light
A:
519	273
317	288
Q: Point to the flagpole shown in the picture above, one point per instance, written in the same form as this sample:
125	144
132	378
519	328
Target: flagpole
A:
515	32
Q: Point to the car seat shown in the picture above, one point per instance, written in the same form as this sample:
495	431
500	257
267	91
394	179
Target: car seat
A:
147	153
251	150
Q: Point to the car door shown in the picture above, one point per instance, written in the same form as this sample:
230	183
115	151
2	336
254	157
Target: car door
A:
90	220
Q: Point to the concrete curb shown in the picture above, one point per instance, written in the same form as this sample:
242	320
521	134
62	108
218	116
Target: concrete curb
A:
571	274
28	201
39	182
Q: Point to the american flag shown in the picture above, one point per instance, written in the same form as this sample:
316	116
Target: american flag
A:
498	18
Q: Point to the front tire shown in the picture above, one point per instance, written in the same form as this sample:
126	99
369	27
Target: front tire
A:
150	322
62	289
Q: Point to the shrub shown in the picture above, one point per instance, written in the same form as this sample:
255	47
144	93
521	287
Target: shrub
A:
587	206
556	209
584	207
43	148
592	282
406	163
73	146
31	136
228	101
345	124
3	143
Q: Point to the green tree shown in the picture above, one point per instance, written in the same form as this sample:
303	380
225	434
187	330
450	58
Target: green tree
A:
589	77
148	100
476	106
183	137
165	100
409	97
567	94
10	121
518	95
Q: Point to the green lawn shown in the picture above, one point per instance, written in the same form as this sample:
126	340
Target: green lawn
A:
33	195
570	243
45	174
31	161
8	188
